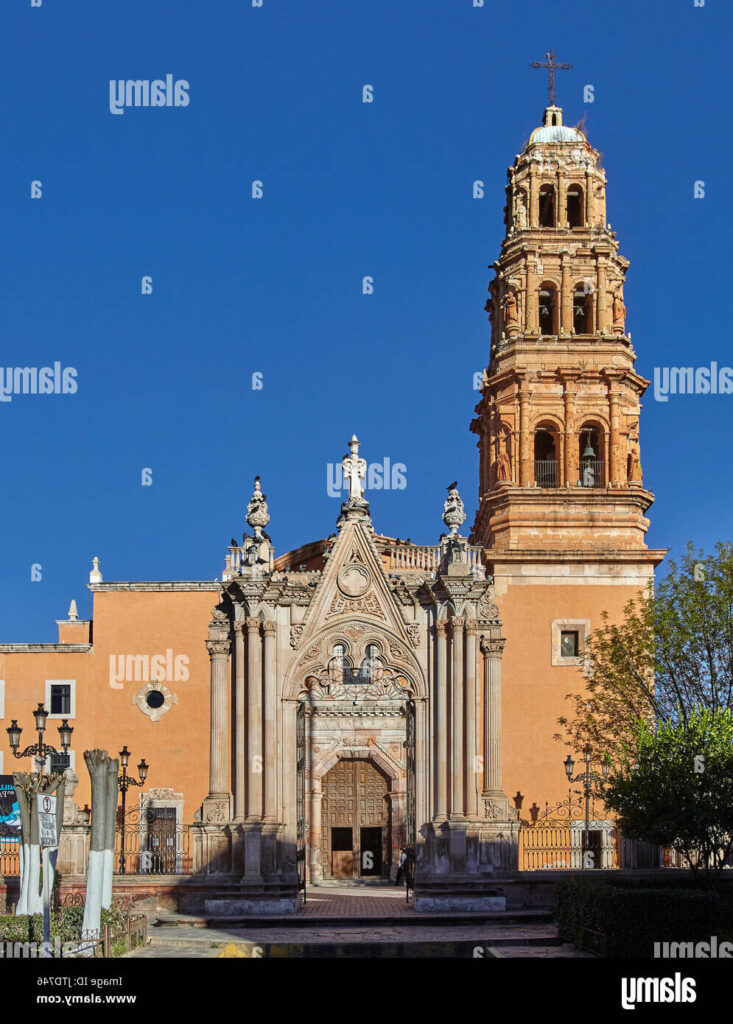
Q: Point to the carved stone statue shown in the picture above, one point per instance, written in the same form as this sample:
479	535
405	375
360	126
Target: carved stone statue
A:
510	309
504	467
634	461
354	470
453	514
619	311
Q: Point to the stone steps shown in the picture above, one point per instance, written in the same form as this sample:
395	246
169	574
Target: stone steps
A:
366	938
306	921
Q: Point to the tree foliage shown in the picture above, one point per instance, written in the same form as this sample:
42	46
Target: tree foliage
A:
673	786
671	653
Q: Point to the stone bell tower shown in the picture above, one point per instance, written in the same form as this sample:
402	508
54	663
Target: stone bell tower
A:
562	504
558	422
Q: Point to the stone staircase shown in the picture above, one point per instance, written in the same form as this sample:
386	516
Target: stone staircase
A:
405	934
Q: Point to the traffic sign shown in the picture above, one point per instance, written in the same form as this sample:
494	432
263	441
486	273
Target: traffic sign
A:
47	820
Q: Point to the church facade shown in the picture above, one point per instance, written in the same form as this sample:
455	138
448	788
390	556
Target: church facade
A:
314	713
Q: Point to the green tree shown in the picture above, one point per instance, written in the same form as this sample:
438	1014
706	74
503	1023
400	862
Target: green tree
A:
674	787
671	653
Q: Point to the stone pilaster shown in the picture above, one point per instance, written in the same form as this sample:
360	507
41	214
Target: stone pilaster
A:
270	759
441	719
219	733
457	809
492	650
254	720
239	723
470	702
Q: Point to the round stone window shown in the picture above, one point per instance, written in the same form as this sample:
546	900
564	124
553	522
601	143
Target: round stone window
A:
154	699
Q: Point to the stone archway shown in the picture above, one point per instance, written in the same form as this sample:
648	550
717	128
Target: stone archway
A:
356	825
374	761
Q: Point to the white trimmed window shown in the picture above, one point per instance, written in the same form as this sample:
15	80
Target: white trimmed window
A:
61	698
568	641
2	698
2	763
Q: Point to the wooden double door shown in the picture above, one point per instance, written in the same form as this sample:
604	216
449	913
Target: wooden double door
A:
356	832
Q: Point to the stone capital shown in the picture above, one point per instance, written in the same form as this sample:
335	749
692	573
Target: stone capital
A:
218	648
441	627
270	628
252	625
457	624
492	647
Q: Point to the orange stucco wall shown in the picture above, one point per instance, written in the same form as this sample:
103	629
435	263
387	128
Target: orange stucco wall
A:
126	624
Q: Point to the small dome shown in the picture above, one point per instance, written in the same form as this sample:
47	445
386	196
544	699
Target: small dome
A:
556	133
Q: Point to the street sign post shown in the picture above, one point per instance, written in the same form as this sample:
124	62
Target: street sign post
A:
48	837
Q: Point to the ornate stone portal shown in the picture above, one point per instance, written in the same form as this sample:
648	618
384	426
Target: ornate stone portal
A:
354	641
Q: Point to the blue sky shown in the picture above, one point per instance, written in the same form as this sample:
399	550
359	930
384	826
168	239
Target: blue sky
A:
273	286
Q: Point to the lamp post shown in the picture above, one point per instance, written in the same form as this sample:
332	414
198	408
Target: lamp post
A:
124	782
586	777
39	750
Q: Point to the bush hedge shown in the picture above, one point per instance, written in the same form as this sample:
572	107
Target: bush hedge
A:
631	918
65	926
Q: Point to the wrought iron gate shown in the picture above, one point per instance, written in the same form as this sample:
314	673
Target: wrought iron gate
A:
411	808
300	851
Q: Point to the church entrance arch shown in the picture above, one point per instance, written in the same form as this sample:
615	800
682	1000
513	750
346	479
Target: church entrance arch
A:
356	825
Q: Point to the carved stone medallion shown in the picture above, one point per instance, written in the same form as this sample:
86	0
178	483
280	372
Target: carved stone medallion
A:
354	580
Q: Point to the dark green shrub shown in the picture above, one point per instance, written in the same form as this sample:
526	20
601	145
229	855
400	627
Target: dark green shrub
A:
632	919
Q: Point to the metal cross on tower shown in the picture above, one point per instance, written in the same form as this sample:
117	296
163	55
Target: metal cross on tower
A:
551	67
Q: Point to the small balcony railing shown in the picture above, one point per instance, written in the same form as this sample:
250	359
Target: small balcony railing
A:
590	473
546	473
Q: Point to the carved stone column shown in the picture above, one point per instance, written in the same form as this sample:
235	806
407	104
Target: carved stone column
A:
219	734
270	763
457	809
239	723
441	719
491	650
254	721
566	295
571	441
614	454
534	198
601	313
471	798
532	303
525	455
314	832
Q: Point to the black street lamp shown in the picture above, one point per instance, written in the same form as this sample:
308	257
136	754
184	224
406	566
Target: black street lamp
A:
39	750
124	782
587	777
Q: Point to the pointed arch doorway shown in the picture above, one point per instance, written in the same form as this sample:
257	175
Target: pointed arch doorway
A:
356	829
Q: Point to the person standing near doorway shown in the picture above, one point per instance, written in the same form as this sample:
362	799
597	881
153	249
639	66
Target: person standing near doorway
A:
403	865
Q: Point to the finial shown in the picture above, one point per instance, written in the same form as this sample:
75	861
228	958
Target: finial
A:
73	613
354	470
95	575
551	67
257	515
453	514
